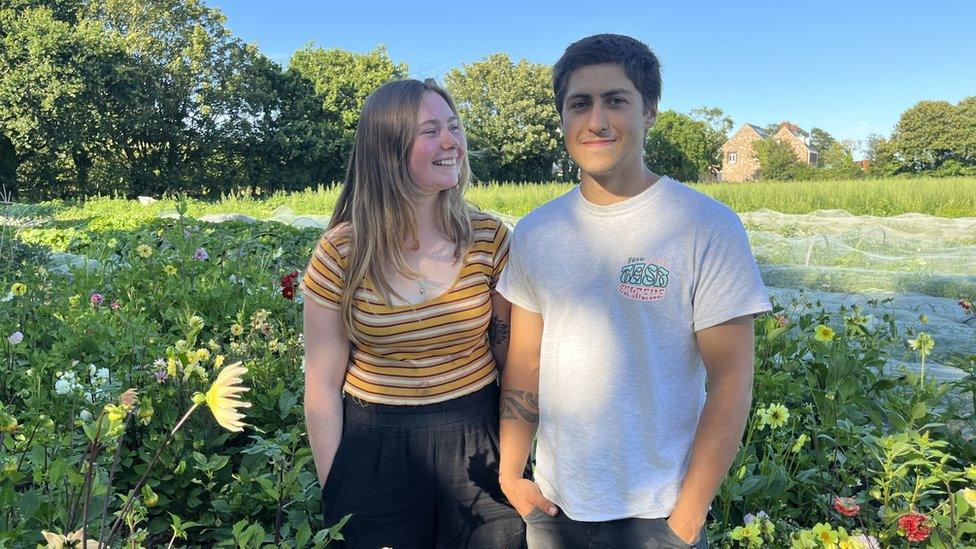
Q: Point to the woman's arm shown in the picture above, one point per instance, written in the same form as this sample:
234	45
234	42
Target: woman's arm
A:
326	359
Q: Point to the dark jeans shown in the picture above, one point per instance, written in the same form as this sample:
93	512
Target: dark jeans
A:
421	476
562	532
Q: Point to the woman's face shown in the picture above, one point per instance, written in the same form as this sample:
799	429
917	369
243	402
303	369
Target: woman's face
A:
439	148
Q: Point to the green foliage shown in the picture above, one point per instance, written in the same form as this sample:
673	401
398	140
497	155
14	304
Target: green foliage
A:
831	421
837	162
509	118
821	141
777	160
680	146
341	81
163	323
936	137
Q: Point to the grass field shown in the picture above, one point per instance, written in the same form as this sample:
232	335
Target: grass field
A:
945	197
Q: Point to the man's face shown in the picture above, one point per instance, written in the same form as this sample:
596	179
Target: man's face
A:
604	121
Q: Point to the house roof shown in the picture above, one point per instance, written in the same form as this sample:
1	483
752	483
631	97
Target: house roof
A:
799	138
760	131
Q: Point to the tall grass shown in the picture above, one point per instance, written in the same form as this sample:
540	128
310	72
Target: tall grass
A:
942	197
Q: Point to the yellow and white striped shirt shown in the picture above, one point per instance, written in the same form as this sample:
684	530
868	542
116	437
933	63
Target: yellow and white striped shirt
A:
424	353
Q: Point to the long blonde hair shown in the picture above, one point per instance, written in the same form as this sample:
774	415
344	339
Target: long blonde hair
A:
378	196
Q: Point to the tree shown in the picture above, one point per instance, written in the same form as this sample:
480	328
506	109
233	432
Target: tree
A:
61	99
923	138
680	146
837	162
342	81
510	118
965	138
776	159
719	124
882	156
821	141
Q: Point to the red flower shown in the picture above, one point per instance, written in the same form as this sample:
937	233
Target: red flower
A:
846	506
288	284
913	525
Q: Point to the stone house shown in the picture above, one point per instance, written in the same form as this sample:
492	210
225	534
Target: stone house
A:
739	162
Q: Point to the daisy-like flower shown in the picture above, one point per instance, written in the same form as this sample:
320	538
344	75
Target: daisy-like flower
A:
912	526
846	506
18	289
15	338
825	534
128	398
970	496
777	415
762	418
201	255
202	354
170	270
823	333
236	330
195	323
223	397
144	250
57	541
923	343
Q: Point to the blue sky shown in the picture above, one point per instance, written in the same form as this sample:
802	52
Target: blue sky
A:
850	68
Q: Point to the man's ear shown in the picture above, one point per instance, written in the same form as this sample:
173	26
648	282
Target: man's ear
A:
650	116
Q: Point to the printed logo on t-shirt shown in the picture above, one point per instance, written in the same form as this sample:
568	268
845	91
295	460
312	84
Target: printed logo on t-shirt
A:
644	279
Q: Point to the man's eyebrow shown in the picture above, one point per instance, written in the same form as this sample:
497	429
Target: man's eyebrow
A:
608	93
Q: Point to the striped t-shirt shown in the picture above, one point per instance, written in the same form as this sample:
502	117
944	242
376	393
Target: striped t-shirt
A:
417	354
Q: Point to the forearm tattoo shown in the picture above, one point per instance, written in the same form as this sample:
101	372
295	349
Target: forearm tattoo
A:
497	331
520	405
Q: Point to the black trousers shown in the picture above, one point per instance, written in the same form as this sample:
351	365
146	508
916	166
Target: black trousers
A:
421	476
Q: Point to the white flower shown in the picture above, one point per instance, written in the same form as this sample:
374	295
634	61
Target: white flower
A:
85	415
62	386
101	375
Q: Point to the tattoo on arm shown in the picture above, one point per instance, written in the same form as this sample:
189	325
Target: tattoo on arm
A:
520	405
497	331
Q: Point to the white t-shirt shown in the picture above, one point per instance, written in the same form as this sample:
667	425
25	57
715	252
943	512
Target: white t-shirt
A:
622	289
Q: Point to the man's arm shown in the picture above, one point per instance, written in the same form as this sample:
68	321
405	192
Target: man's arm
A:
326	359
498	328
728	352
519	413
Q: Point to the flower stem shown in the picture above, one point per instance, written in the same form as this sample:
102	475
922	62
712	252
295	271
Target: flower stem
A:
117	525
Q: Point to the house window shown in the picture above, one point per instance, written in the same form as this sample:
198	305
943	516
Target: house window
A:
732	158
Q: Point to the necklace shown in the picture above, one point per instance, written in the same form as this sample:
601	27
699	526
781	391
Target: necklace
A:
422	282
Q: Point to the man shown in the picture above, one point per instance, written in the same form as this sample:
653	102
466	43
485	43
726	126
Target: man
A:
628	292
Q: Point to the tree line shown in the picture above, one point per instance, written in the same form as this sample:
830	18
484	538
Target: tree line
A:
141	97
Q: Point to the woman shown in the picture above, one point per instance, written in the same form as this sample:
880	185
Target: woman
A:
399	300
